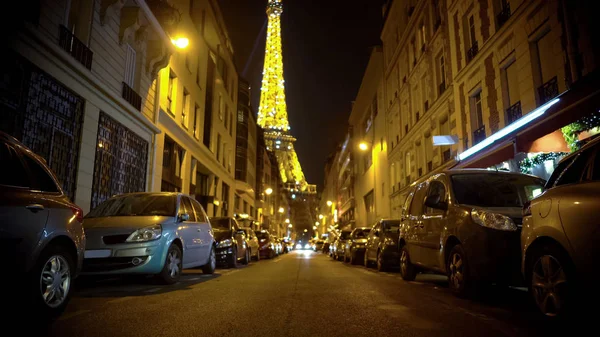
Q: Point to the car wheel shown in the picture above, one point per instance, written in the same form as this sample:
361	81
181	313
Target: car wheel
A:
52	277
233	262
246	259
257	255
381	265
407	269
211	265
458	272
366	260
173	266
550	283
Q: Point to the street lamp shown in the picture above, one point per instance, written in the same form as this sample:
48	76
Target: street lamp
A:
268	191
287	220
290	226
363	146
181	42
320	216
315	228
317	223
329	203
281	210
306	230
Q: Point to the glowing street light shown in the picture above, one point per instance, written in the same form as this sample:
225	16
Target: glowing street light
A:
290	226
320	216
317	223
281	210
306	230
315	228
363	146
329	203
287	220
269	191
181	42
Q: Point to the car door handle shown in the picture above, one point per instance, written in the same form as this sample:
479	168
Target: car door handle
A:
199	229
35	207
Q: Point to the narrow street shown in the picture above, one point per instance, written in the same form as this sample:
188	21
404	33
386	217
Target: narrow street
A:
299	294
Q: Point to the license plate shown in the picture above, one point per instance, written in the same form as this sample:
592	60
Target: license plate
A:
97	254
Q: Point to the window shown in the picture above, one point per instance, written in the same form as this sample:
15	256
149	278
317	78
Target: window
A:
369	204
184	110
198	71
220	107
245	207
367	124
473	39
79	18
130	57
187	63
230	123
512	84
367	160
12	171
226	116
41	179
236	202
437	19
416	207
407	202
374	107
195	126
570	171
225	197
185	201
442	74
171	92
436	188
199	211
422	36
476	111
218	147
413	49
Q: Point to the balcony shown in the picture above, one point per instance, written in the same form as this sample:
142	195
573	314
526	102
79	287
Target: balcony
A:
504	14
513	113
472	52
548	90
479	135
72	45
131	96
441	88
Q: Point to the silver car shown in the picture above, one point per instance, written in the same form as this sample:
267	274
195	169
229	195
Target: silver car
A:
149	233
41	236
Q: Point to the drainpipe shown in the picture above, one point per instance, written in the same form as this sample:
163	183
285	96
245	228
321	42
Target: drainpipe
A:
153	153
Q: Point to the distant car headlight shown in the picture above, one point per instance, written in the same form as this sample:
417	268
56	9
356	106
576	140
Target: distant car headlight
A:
298	246
224	243
493	220
307	246
263	240
146	234
390	242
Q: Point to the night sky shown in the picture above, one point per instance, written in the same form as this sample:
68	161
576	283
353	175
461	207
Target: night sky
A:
325	52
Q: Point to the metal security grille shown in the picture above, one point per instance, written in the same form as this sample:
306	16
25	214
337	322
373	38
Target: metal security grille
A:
45	115
121	161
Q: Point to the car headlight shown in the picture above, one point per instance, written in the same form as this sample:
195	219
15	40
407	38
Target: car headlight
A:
224	243
390	242
307	246
146	234
493	220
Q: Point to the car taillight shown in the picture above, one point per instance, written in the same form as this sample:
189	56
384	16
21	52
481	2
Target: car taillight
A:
77	213
527	209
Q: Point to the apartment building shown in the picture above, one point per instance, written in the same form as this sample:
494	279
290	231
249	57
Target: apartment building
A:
484	72
79	90
197	92
369	146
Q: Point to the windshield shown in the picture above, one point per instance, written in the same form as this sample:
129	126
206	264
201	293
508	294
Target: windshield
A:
495	190
136	205
361	233
220	223
261	235
345	235
391	226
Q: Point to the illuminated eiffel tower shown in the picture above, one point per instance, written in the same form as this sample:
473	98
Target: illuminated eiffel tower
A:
272	111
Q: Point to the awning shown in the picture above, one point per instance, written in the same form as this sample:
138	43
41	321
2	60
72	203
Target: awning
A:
542	134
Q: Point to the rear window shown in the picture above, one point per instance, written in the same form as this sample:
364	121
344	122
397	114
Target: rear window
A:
262	235
360	233
391	226
495	190
220	223
345	235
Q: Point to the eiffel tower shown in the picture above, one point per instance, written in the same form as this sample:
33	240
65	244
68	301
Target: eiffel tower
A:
272	111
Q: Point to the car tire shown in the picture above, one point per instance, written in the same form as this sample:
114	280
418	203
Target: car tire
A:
381	265
545	289
271	254
53	257
246	259
233	262
457	267
407	269
366	260
352	258
173	266
257	255
211	265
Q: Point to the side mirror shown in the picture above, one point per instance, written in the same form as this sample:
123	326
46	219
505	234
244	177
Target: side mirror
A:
434	201
184	217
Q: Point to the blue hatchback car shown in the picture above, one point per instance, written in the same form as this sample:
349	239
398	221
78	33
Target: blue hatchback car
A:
148	233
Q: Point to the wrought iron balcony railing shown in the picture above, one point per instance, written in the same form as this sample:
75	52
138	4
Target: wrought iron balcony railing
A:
548	90
479	135
513	113
504	14
131	96
472	52
72	45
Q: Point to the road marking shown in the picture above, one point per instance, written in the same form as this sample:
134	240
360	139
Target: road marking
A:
73	314
153	290
194	279
119	300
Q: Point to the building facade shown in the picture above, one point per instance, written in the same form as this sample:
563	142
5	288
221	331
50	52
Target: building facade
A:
484	72
369	148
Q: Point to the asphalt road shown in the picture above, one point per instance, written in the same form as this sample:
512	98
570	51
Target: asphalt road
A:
298	294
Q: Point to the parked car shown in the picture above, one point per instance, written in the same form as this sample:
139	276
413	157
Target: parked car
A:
267	246
148	233
340	245
252	243
561	234
42	241
319	245
382	245
466	224
231	242
355	245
